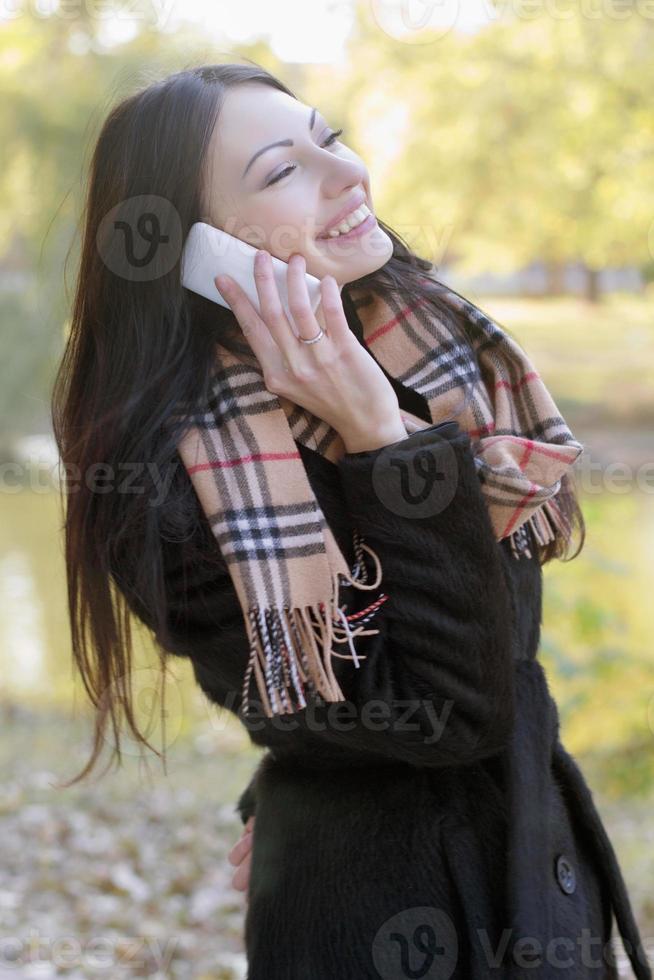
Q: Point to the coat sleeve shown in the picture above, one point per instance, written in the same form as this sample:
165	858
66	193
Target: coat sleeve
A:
442	660
436	686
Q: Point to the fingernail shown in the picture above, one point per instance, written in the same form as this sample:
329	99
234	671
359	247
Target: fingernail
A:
222	282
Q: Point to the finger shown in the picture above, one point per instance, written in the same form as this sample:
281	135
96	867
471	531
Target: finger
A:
240	849
272	311
255	330
241	876
298	298
330	314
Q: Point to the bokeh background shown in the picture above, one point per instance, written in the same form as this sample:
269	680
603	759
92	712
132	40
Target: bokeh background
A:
512	144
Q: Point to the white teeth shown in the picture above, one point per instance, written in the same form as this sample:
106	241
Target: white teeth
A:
352	220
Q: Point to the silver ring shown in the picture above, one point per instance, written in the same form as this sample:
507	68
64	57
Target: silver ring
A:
313	340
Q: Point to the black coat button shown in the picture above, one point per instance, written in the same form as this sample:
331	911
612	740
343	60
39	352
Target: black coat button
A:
565	874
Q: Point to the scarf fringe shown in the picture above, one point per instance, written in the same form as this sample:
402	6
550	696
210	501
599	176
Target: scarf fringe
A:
545	523
290	649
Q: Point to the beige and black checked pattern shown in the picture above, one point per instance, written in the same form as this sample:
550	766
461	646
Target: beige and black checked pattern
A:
243	460
521	443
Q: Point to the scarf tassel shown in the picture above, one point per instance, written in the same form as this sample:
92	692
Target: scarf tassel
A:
546	522
290	649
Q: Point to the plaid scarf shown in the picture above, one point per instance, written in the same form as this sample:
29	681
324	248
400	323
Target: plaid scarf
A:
285	563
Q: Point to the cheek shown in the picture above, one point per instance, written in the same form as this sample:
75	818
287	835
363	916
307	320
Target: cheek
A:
219	210
289	222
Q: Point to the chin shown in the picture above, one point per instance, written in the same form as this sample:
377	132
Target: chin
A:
354	265
364	264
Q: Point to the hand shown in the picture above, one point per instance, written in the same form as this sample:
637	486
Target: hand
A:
335	379
241	856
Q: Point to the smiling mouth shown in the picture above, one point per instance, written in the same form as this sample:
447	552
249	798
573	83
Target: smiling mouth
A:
359	229
351	222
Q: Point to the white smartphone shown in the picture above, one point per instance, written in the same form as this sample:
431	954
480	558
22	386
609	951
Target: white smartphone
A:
209	251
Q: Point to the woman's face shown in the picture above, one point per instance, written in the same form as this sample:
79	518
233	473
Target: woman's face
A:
284	198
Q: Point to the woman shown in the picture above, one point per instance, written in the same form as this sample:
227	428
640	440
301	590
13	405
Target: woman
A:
449	834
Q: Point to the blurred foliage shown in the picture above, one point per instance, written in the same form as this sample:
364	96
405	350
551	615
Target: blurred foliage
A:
596	642
58	82
531	139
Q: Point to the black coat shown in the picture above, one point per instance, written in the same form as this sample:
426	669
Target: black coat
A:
436	831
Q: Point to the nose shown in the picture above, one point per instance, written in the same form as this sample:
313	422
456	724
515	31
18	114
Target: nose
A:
342	175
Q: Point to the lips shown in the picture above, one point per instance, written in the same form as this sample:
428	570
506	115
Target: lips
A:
351	206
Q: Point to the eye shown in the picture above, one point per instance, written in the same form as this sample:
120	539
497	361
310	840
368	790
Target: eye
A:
331	139
279	176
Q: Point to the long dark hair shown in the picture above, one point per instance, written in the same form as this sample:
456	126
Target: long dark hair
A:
139	348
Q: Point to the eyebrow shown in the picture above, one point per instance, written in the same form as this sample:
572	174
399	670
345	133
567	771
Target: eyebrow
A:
286	142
